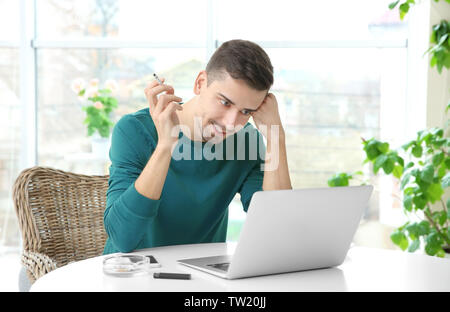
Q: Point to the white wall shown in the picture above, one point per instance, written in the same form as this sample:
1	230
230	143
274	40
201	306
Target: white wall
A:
438	93
428	91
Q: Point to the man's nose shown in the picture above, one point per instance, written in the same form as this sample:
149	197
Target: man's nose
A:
230	118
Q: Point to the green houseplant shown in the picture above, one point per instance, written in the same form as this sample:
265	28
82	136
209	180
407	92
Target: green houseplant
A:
439	38
102	104
423	180
425	176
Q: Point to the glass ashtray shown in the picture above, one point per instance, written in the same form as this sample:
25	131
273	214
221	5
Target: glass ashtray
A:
125	265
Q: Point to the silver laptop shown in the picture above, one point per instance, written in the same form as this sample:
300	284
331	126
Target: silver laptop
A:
292	230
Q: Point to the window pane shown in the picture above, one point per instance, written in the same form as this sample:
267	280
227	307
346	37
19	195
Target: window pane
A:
62	136
127	20
266	20
328	99
331	98
10	148
9	20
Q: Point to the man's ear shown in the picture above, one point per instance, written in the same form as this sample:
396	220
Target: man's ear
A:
200	82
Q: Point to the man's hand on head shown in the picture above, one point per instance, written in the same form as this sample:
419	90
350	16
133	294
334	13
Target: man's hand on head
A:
268	116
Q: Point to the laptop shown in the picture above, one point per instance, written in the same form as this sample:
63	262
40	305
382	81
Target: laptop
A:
292	230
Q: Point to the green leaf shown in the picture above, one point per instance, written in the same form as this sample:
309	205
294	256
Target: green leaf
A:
339	179
435	192
434	237
409	144
439	142
394	4
402	228
379	162
423	228
446	180
383	147
415	172
435	131
399	239
91	110
104	91
398	159
419	201
433	243
404	8
388	166
407	202
421	135
440	253
427	173
413	230
447	162
405	180
408	191
104	132
439	67
447	61
440	217
370	147
423	186
433	37
417	151
442	39
414	245
113	102
397	172
432	249
416	230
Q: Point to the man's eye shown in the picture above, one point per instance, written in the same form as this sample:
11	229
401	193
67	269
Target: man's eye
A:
245	112
224	102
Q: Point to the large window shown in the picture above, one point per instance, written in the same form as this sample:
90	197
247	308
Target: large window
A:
63	141
340	71
10	121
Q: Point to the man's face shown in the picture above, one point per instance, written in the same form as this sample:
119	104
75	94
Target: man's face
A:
225	106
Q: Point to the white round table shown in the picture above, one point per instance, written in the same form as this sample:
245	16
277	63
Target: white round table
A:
364	269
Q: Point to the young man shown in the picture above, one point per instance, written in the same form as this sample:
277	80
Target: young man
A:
157	197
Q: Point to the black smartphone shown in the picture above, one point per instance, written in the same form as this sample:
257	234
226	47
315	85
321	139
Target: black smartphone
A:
153	262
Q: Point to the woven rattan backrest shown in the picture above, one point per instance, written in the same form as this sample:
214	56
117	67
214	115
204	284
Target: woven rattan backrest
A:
60	213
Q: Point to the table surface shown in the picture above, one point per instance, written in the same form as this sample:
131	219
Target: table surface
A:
364	269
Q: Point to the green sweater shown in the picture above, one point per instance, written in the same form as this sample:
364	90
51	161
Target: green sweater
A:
193	207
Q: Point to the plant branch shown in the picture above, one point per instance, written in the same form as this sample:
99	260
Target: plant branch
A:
430	219
446	210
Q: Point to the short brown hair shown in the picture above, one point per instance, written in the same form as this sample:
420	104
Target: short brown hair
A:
241	59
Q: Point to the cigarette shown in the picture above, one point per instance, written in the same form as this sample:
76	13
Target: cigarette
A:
156	77
159	81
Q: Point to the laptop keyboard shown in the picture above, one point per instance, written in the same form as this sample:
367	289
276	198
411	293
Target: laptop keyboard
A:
221	266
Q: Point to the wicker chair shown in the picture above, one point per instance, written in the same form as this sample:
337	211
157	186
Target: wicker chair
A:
60	216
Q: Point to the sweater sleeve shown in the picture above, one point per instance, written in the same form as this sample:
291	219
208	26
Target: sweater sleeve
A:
128	214
254	180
